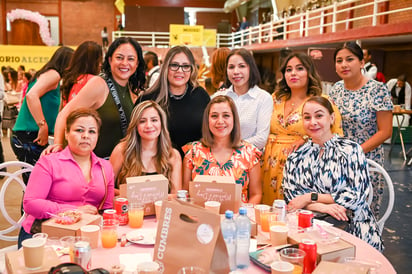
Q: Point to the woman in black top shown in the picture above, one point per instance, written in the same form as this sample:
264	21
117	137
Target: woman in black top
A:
179	94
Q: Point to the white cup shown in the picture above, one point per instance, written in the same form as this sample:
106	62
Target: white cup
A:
91	232
158	208
279	235
281	267
33	251
213	206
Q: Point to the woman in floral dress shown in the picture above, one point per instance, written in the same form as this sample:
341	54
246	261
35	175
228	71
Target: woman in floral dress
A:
366	109
221	152
329	174
300	81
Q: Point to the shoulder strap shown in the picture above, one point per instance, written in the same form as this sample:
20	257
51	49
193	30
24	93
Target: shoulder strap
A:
122	114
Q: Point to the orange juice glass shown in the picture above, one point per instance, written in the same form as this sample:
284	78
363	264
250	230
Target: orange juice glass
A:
136	213
109	233
266	216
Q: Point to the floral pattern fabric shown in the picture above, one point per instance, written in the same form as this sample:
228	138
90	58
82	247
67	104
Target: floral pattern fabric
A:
202	162
358	109
284	131
341	171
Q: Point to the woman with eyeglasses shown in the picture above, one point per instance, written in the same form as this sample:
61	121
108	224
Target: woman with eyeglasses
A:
178	92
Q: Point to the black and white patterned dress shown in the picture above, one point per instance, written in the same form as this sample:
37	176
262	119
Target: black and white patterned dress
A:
340	171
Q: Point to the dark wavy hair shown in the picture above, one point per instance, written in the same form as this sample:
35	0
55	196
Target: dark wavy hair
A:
137	80
314	81
86	60
352	47
59	62
254	75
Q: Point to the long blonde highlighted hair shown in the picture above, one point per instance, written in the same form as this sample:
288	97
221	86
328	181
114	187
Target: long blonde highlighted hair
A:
133	164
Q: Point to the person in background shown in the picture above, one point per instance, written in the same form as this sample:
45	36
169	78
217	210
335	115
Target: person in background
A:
152	68
254	104
329	174
84	65
366	109
218	67
400	91
104	35
147	149
300	82
38	112
369	69
245	24
123	76
12	84
72	179
178	92
221	151
24	86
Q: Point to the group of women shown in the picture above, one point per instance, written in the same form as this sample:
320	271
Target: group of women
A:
174	128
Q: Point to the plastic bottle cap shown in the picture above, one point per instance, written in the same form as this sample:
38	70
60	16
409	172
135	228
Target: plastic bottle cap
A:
242	211
229	214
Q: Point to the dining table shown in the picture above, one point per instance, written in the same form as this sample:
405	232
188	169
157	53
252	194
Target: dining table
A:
133	253
107	257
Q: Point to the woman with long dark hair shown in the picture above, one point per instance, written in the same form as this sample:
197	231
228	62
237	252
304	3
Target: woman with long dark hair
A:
366	109
110	94
85	63
39	109
300	81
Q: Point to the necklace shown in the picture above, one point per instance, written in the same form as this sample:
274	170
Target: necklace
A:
179	97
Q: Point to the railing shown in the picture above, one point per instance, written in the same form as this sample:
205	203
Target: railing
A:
329	19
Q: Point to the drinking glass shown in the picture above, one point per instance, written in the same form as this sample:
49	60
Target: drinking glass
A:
136	213
109	233
294	256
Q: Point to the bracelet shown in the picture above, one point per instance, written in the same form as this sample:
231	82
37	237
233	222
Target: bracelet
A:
58	144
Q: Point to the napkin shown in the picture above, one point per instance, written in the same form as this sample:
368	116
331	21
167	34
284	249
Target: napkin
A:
130	261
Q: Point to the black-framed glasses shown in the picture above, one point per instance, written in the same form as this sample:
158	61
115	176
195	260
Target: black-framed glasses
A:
175	67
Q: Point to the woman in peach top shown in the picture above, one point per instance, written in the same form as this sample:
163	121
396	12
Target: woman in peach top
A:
221	152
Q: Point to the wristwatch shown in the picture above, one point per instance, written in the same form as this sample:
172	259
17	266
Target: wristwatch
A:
314	197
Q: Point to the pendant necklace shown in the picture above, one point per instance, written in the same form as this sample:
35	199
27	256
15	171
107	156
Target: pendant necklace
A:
179	97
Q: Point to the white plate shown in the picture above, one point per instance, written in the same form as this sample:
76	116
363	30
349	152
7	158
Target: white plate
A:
142	236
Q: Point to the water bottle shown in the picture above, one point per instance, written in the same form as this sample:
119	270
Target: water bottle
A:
279	207
229	235
242	239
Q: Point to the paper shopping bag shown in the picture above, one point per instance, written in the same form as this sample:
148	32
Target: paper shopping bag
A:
189	235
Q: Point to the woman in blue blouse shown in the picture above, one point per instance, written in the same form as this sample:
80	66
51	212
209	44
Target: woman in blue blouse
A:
334	169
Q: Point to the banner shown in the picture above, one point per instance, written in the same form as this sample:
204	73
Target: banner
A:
185	35
209	37
28	56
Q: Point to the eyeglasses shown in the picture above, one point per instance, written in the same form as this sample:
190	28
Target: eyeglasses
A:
175	67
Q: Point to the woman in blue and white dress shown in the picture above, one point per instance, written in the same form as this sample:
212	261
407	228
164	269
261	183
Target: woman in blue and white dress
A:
329	174
366	109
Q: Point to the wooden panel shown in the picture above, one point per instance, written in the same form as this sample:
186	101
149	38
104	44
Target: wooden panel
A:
156	19
25	32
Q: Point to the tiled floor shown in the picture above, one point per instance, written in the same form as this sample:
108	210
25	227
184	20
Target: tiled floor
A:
397	232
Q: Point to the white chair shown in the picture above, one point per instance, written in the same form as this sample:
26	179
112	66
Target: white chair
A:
374	167
13	174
